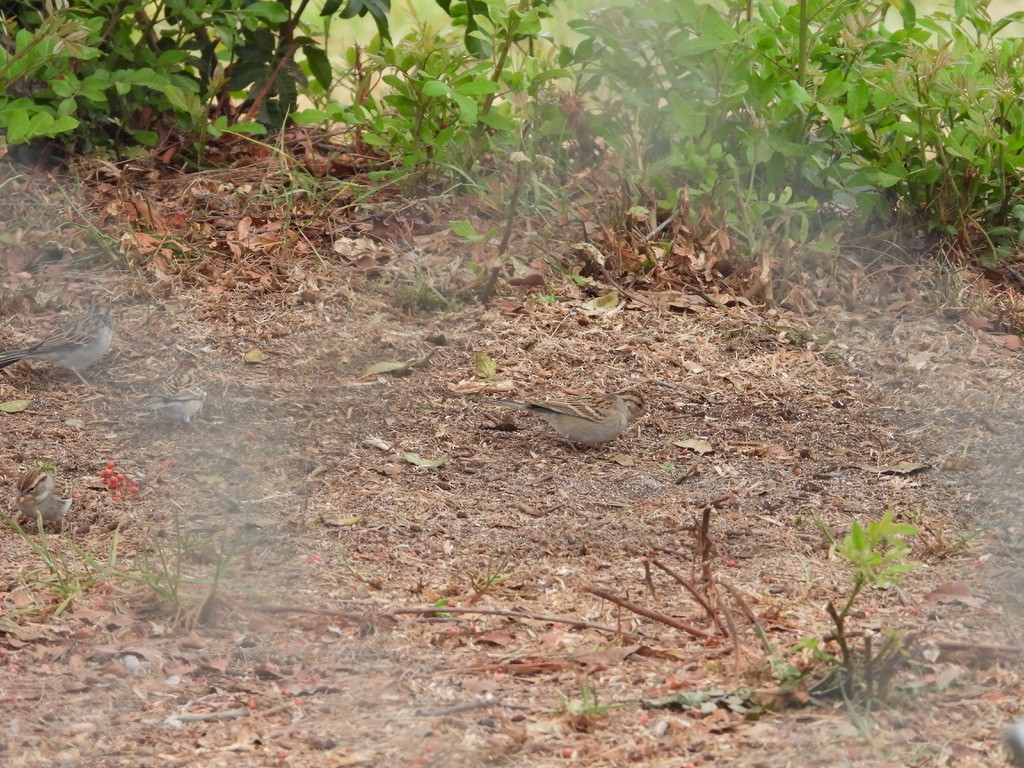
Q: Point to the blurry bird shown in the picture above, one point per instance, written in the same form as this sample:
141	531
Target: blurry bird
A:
179	399
587	420
37	496
74	345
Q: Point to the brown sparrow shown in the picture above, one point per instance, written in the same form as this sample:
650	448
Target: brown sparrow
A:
587	420
74	345
37	496
179	398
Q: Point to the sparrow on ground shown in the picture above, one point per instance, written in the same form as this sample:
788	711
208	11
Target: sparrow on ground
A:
37	496
179	399
587	420
75	345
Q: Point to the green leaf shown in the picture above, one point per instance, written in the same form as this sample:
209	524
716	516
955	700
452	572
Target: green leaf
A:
14	406
319	65
255	129
268	10
835	114
477	87
856	100
499	122
435	88
464	228
309	116
468	108
17	125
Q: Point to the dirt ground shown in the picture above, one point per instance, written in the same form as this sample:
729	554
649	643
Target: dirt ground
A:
320	503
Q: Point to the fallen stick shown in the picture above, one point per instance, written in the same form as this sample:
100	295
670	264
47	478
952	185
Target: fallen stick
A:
427	610
509	614
646	612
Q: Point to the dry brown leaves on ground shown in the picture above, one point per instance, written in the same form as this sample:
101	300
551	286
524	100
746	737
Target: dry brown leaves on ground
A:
352	558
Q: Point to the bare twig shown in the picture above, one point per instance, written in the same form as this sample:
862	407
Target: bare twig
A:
648	613
433	609
733	632
758	629
689	587
196	717
490	701
513	667
647	576
840	636
350	615
704	548
509	614
981	652
654	232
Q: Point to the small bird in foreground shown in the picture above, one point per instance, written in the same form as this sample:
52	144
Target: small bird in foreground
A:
74	345
179	398
37	496
587	420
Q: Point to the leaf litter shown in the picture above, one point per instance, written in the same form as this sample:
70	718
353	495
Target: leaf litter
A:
322	615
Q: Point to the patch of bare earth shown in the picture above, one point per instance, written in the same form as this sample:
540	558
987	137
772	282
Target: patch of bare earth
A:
303	491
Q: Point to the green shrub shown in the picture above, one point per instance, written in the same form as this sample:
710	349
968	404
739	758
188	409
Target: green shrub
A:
113	72
437	102
764	113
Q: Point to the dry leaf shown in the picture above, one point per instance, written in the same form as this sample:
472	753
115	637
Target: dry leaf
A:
602	305
697	446
507	306
529	280
25	634
340	522
253	356
14	406
955	592
485	366
496	637
622	460
378	443
975	322
419	461
476	387
423	361
920	360
606	658
393	368
193	642
903	468
676	301
1009	341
